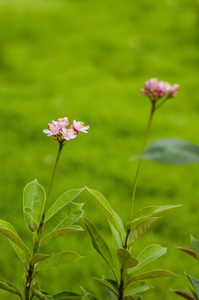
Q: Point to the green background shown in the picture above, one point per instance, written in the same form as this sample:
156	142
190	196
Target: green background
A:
87	60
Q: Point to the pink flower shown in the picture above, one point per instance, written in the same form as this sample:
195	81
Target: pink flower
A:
61	133
68	134
174	90
53	129
79	126
63	122
156	90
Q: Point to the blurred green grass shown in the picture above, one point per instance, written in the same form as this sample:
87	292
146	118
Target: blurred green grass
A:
87	60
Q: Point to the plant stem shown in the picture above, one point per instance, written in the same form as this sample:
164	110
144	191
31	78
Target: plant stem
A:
40	228
139	162
39	231
121	287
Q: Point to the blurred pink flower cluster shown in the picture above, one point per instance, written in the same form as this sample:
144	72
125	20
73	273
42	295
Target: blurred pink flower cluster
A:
156	90
61	133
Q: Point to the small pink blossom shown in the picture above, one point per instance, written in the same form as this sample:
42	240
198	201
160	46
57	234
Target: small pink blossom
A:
61	133
174	90
156	90
63	122
53	129
79	126
68	134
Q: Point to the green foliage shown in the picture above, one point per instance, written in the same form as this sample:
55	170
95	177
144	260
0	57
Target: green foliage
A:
137	288
6	285
194	281
150	275
140	229
150	211
171	151
58	233
8	230
149	254
110	285
57	259
98	242
63	212
104	205
33	204
126	259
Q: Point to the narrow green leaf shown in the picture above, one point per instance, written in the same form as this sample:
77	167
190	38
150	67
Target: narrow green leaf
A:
195	244
20	253
149	254
104	205
59	233
150	275
183	294
60	203
57	259
195	283
188	251
68	296
122	232
39	294
108	285
8	286
98	242
116	236
171	151
126	259
89	295
111	295
150	211
39	257
34	198
137	288
64	217
6	229
140	229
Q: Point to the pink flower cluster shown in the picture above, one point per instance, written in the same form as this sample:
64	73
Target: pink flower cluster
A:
61	133
156	90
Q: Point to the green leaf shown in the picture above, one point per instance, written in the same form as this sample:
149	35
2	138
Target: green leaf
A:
68	296
89	295
57	259
149	254
150	211
108	285
34	198
195	244
122	232
39	257
126	259
188	251
195	283
62	205
183	294
104	205
137	288
59	233
140	229
113	283
118	236
98	242
6	229
64	217
8	286
171	151
20	253
39	294
150	275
